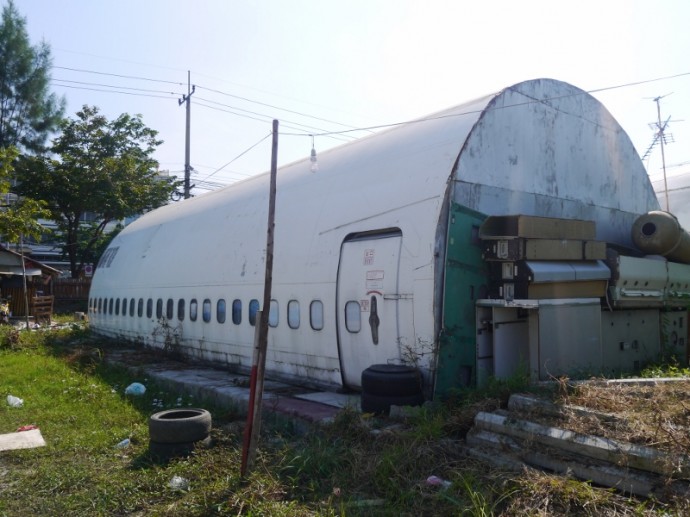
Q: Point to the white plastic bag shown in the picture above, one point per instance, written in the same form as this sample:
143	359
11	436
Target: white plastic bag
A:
179	483
14	401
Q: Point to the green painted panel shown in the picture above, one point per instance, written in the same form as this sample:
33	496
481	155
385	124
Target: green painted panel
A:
466	280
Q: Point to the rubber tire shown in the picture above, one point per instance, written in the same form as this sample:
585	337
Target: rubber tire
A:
179	425
382	405
392	380
171	450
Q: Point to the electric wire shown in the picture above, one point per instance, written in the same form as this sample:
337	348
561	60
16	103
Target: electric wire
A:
113	91
363	128
118	75
439	117
282	121
237	157
113	86
309	130
276	107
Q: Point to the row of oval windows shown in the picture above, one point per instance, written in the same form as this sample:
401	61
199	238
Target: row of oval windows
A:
117	307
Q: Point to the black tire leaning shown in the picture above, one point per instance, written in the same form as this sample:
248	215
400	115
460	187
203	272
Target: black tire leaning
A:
177	426
394	380
380	405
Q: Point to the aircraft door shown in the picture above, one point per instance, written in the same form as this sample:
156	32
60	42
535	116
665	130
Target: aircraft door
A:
368	303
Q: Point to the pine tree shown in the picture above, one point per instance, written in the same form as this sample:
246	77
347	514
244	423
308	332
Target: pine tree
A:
28	111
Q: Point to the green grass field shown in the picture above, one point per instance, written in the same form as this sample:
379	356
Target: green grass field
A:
357	466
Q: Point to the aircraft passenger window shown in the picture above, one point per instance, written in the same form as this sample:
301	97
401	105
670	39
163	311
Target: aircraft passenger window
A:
149	308
124	306
193	309
316	314
293	314
180	309
110	306
206	310
140	307
100	306
169	309
131	307
220	311
253	309
159	308
353	317
237	312
273	313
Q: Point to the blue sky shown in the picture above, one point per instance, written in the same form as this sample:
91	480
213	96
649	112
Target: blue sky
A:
334	65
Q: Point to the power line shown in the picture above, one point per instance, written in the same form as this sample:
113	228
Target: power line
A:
237	157
277	107
202	87
118	75
350	129
112	91
311	128
439	117
114	86
309	131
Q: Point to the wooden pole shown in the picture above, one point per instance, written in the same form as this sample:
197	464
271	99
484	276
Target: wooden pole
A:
256	381
26	294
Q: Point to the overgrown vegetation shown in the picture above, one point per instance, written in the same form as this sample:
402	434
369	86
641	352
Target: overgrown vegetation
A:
359	465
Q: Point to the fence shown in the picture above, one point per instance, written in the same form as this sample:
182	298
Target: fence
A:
70	288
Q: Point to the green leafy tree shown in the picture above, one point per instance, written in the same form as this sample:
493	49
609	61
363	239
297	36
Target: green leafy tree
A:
99	167
28	111
18	216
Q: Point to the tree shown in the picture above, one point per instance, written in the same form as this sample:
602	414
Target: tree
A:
104	168
28	112
18	216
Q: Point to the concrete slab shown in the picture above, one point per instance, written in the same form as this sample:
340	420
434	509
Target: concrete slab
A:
23	440
232	390
339	400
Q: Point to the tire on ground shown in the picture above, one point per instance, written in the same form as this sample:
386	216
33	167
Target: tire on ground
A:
178	426
393	380
381	405
169	450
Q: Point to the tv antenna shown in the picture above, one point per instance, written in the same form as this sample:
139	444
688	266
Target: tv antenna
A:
661	137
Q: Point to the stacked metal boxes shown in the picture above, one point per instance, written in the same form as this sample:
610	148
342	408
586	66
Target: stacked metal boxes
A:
534	257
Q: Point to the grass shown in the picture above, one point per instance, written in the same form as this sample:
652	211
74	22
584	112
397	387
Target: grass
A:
359	465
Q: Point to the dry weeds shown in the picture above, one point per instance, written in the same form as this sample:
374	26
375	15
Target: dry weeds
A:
655	415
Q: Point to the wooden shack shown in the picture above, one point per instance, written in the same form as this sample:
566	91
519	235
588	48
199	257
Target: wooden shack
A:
39	278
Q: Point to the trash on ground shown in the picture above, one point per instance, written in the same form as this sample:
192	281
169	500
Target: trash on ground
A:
135	388
178	483
13	401
437	481
24	440
124	443
29	427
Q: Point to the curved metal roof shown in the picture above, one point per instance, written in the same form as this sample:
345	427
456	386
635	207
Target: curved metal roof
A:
540	147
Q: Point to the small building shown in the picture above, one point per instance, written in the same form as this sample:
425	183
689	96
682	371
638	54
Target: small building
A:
39	278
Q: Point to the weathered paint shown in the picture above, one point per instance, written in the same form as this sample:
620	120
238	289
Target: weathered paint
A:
466	279
539	148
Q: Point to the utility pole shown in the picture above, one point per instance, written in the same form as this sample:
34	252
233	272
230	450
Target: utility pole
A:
256	381
187	167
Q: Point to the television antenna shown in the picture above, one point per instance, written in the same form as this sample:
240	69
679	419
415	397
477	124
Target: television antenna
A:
661	137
